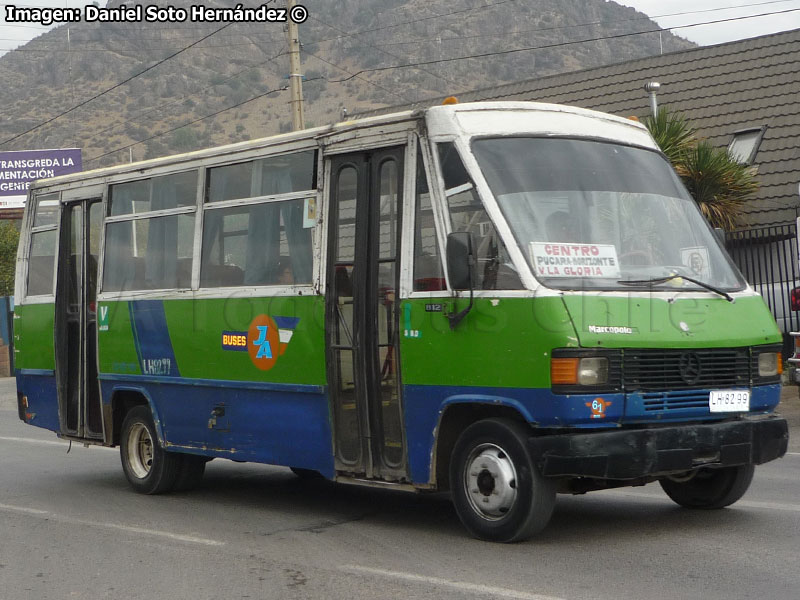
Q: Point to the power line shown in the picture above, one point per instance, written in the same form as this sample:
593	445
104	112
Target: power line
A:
185	97
377	85
436	16
193	122
113	87
428	18
438	76
270	38
574	26
558	45
125	50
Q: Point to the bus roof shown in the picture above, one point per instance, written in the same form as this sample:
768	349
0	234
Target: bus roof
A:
469	118
265	142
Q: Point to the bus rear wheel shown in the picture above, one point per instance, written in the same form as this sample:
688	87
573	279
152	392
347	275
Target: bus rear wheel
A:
148	467
710	488
498	492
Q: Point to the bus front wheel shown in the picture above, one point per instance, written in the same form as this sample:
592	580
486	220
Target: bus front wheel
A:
148	467
498	492
710	488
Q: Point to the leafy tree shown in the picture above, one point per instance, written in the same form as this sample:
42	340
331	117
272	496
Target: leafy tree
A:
719	184
9	239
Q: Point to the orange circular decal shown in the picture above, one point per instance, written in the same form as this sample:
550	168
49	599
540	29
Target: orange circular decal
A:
263	342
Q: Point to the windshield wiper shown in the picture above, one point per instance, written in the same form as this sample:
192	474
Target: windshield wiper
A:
657	280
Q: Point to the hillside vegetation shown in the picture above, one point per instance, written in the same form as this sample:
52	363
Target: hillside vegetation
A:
71	64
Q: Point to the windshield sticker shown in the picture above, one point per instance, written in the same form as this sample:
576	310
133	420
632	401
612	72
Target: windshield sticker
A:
696	260
574	260
309	213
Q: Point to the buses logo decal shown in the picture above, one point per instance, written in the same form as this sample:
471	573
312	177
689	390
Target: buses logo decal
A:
264	341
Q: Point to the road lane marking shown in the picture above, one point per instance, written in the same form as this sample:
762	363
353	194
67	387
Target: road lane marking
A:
485	590
172	536
741	503
22	509
60	443
33	441
115	526
769	505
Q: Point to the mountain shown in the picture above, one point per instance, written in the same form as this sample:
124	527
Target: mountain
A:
347	46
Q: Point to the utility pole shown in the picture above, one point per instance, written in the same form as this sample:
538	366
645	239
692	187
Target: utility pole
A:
295	77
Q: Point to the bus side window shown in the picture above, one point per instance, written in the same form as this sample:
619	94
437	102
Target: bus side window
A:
494	270
44	238
41	264
428	272
154	252
258	244
266	241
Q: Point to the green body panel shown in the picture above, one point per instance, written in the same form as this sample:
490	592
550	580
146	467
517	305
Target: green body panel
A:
506	342
116	347
502	342
683	323
33	335
196	328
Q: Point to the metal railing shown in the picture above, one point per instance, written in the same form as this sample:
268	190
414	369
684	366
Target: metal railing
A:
768	258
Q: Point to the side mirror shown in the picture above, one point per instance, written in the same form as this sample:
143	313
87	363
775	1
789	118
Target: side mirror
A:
460	260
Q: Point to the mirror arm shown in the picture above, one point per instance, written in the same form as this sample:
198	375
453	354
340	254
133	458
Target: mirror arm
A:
455	319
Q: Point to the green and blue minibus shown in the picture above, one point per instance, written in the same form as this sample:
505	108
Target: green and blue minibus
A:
505	301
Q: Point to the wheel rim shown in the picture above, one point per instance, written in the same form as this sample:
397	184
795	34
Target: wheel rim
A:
490	482
140	450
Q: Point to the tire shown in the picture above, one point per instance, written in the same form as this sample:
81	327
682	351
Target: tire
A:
147	466
306	474
710	488
498	492
190	473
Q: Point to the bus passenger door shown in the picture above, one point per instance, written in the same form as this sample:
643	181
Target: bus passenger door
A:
362	321
79	404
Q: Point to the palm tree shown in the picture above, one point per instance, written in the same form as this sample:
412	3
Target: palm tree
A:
719	184
672	132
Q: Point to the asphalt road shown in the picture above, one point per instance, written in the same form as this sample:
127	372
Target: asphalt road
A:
71	528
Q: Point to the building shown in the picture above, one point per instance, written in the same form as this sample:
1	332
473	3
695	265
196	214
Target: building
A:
744	95
749	87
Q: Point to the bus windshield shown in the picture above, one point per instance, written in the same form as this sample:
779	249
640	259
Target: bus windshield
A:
595	215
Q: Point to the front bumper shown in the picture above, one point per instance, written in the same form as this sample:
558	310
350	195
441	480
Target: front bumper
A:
641	453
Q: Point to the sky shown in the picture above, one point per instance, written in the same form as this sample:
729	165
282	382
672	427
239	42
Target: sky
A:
694	11
720	10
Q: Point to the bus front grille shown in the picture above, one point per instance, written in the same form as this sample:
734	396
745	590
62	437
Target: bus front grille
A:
656	370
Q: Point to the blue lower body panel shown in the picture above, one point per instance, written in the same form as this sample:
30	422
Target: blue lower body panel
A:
425	405
39	387
285	425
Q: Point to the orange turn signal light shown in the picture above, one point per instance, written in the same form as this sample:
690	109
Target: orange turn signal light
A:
564	371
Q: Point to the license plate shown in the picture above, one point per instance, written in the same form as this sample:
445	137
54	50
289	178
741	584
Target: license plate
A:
729	401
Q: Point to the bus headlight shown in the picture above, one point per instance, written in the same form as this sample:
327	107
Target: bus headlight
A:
589	370
593	371
769	364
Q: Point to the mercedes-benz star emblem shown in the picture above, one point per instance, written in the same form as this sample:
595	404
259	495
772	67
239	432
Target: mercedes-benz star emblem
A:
689	367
